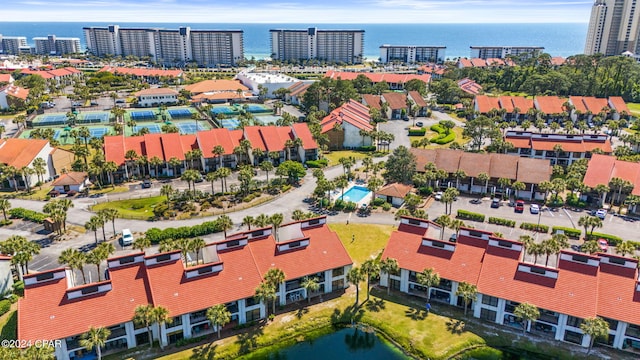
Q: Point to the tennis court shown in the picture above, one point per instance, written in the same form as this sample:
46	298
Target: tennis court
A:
190	127
255	108
98	132
180	113
229	123
142	115
50	120
227	110
267	119
153	128
92	118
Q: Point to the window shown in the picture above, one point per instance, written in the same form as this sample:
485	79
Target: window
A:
413	276
617	261
127	260
89	290
486	314
257	233
574	321
505	244
232	307
510	306
337	284
164	257
633	330
337	272
475	233
536	270
572	337
580	258
205	270
252	315
294	244
233	243
250	301
437	244
444	284
43	277
490	300
177	321
414	222
314	222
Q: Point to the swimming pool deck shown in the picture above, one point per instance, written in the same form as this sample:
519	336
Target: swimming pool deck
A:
337	194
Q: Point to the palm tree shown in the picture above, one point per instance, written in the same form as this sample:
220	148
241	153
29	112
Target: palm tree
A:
110	214
39	167
197	244
625	247
93	224
370	268
95	337
174	162
5	205
110	167
141	243
261	221
248	220
166	190
468	292
266	166
225	223
100	254
428	278
218	151
443	221
223	174
355	276
130	158
589	221
211	177
310	284
143	316
389	266
155	162
266	292
218	316
276	220
74	259
160	315
484	177
590	247
526	312
594	327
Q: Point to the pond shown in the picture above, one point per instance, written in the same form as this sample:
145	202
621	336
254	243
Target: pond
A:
349	343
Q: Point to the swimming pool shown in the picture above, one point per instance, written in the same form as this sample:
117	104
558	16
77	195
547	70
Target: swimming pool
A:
355	194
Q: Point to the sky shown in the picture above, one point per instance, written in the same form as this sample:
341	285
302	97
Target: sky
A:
299	11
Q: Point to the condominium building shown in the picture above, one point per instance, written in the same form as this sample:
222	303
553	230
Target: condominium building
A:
168	46
613	27
52	45
502	52
327	45
13	45
412	53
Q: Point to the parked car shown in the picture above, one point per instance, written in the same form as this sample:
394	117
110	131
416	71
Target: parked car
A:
519	206
534	209
603	245
199	179
601	213
419	124
127	237
146	183
438	195
495	203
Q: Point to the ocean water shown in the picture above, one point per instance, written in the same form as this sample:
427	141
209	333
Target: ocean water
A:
557	39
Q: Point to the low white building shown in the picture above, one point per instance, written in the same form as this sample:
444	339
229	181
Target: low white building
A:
22	153
269	80
156	96
71	181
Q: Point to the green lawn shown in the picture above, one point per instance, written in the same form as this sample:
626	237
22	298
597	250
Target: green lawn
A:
429	134
334	156
9	324
369	239
132	208
634	108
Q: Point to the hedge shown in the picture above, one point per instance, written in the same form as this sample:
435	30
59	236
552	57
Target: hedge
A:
5	306
317	163
438	128
534	227
468	215
156	235
570	232
440	139
417	132
367	148
30	215
503	222
611	239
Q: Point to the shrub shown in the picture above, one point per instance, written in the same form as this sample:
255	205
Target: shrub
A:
534	227
137	206
30	215
425	190
5	222
438	128
386	206
5	306
156	235
18	288
317	163
468	215
570	232
443	139
350	206
503	222
369	148
417	132
611	239
339	204
377	202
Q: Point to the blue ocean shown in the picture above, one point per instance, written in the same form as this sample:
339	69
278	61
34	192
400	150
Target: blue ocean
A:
557	39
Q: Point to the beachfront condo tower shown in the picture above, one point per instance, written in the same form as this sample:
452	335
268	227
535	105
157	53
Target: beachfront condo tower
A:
613	27
346	46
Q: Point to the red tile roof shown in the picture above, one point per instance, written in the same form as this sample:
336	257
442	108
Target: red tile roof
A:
164	146
155	91
557	60
207	86
578	104
372	101
549	104
595	105
395	189
352	112
500	277
522	103
603	168
464	62
5	78
390	78
325	251
70	178
301	131
484	103
209	139
618	103
15	91
396	101
298	89
617	297
417	99
569	143
469	86
46	313
20	152
479	63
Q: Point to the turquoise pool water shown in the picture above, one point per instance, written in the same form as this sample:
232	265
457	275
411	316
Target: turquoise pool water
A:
350	343
355	194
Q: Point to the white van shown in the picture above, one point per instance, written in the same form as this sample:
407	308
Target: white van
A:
127	237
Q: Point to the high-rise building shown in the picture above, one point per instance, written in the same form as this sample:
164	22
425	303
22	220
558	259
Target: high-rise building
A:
13	45
326	45
502	52
168	46
613	28
52	45
412	54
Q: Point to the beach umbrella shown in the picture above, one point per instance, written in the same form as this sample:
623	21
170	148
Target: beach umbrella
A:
68	128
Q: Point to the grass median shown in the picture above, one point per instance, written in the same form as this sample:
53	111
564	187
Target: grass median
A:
132	208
